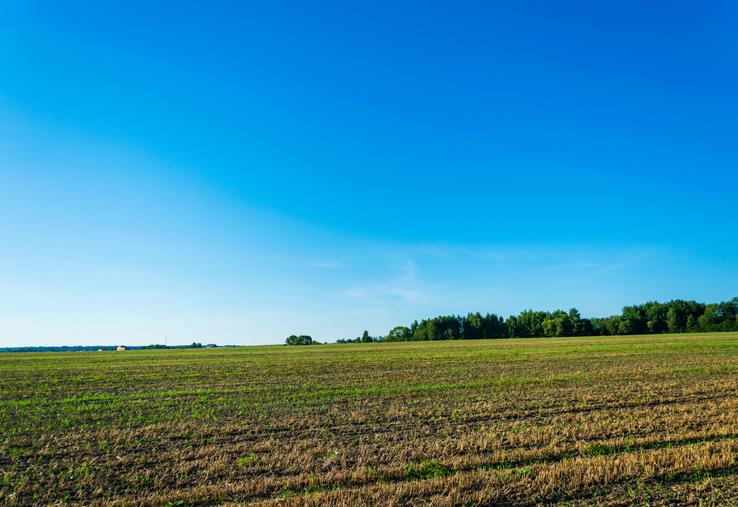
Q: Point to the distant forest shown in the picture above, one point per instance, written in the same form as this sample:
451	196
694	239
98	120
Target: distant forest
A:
100	348
677	316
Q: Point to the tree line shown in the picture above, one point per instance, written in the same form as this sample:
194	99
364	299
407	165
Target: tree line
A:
677	316
100	348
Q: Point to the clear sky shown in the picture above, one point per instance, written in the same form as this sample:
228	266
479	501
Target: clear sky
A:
234	172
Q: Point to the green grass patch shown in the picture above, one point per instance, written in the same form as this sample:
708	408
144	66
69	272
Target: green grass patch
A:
427	470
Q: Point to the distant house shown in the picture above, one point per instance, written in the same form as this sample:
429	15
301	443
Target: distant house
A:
210	346
121	347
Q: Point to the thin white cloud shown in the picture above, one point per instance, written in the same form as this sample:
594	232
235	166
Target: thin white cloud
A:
550	258
327	264
405	285
436	277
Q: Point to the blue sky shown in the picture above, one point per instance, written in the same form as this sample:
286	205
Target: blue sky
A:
240	172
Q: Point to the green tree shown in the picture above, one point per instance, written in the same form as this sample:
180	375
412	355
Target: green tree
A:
472	327
300	340
529	324
674	320
558	323
398	334
511	324
493	326
575	320
633	320
691	324
655	317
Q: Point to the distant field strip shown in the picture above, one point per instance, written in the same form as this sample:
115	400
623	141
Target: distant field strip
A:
586	421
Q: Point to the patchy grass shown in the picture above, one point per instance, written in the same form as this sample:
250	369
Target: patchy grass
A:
246	460
428	469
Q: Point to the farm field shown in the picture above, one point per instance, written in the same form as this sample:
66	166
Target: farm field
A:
586	421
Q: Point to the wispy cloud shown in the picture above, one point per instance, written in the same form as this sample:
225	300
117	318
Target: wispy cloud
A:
327	264
543	258
440	275
601	262
404	284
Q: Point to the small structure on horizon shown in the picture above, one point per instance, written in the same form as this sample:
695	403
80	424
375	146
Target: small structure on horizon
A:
121	347
211	346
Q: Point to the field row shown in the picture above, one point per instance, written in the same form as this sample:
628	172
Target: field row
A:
611	420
